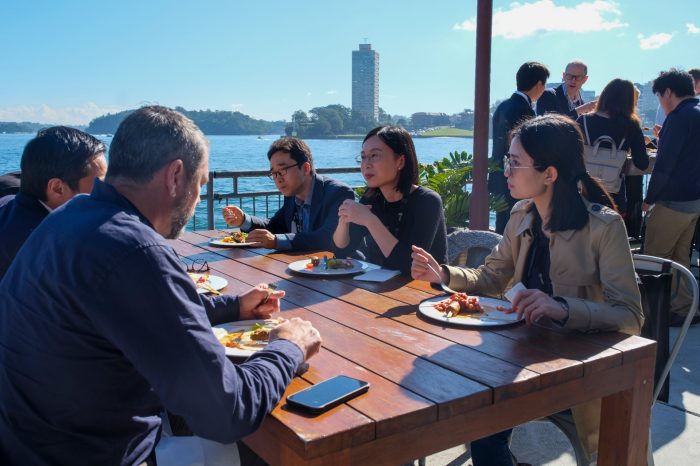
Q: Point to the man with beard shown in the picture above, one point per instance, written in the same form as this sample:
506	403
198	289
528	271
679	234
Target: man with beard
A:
101	327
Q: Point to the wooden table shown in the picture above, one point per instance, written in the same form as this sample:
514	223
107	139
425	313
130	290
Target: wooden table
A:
432	386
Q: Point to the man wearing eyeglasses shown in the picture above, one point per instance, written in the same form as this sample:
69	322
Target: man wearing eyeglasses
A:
566	98
309	215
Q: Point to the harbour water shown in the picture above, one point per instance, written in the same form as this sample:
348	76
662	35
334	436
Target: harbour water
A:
236	153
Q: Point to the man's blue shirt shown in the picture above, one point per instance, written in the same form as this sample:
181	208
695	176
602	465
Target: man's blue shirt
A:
101	327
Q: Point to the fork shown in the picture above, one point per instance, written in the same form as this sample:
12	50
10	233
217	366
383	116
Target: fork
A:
444	287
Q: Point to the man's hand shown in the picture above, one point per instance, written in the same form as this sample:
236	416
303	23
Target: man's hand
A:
233	216
264	237
354	212
657	130
259	302
586	108
301	333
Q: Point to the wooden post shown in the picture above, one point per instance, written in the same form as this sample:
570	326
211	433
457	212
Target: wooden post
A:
479	208
210	201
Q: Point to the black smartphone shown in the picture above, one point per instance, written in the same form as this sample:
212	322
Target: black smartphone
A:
324	395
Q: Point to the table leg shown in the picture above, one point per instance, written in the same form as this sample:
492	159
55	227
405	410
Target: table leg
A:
625	420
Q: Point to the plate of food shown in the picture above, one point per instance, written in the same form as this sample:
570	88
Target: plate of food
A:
466	310
243	338
328	266
235	239
207	283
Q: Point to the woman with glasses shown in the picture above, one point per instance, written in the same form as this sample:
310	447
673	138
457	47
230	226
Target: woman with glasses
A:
394	213
572	255
615	116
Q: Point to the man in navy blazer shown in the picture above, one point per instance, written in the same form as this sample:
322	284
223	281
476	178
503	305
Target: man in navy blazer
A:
309	215
566	98
57	164
530	79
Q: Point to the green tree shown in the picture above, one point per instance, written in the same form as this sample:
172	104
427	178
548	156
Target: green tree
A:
449	177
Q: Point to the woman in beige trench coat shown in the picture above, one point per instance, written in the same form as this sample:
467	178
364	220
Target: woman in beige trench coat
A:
570	252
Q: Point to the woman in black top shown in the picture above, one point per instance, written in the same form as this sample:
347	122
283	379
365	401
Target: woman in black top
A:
395	213
615	116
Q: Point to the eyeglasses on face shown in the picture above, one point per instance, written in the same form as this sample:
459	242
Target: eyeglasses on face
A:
281	171
374	157
509	164
573	77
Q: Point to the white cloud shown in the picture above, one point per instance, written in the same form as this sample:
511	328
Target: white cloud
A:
654	41
692	29
56	115
237	107
528	19
331	92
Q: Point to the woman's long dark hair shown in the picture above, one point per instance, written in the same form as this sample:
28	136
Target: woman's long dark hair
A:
618	101
401	143
554	140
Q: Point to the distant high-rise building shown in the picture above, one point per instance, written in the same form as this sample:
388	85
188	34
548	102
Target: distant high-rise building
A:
365	81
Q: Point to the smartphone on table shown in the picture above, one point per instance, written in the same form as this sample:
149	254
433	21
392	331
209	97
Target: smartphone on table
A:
327	394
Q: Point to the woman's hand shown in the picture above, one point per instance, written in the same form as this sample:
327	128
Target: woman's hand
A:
535	304
354	212
425	267
259	302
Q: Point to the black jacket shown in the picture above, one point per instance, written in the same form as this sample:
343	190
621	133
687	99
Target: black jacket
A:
328	194
19	216
555	100
507	115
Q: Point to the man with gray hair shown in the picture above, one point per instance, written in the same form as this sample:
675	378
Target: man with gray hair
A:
566	98
103	328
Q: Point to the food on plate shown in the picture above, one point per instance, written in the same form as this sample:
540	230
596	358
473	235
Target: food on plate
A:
460	303
254	337
329	263
237	237
336	263
201	280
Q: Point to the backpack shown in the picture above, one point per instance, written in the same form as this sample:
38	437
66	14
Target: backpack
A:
602	163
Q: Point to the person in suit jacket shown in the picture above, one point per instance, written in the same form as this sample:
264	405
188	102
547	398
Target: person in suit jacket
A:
530	79
566	98
57	164
309	214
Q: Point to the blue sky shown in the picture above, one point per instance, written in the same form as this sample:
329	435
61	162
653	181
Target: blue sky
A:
69	61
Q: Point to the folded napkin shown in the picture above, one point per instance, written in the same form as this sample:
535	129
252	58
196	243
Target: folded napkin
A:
377	275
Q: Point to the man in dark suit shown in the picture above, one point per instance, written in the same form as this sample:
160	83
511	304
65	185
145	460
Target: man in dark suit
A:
309	215
57	164
531	79
566	98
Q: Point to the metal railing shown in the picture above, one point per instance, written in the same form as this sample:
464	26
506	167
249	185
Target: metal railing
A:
210	196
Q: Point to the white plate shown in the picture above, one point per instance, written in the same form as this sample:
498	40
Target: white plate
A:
231	327
218	242
216	282
300	267
490	318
